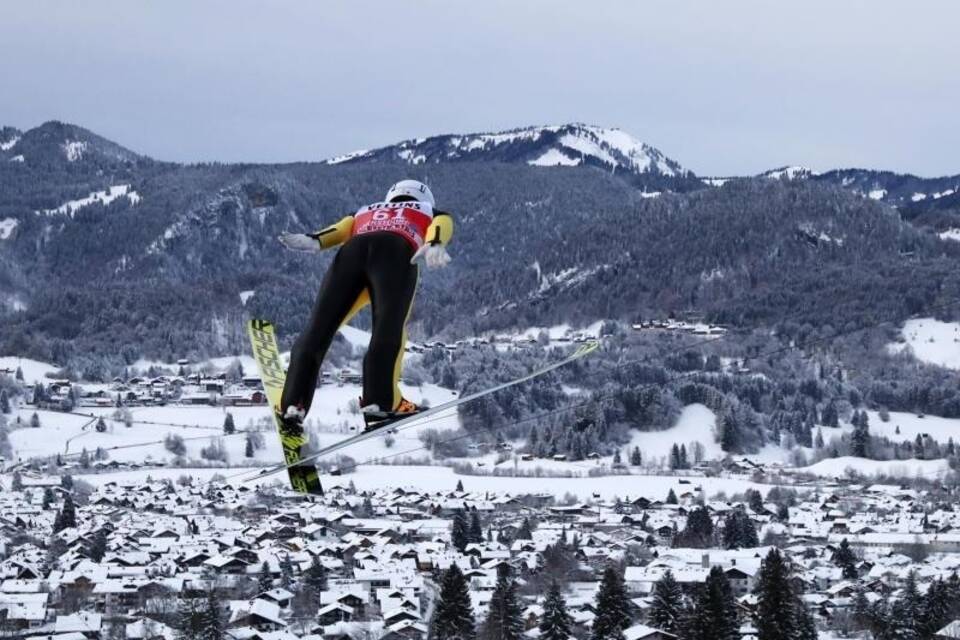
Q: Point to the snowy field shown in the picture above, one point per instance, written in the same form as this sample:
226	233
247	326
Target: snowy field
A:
436	478
330	418
696	423
840	467
33	370
931	341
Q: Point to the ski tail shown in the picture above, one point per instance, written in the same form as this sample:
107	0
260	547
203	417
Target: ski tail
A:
304	478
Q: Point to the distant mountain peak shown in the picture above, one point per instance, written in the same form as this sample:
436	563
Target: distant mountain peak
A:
59	142
551	145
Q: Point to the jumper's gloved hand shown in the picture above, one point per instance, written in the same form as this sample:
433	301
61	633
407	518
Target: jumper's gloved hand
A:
299	242
435	255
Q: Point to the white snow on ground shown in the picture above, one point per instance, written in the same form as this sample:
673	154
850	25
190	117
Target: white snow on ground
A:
17	159
649	194
790	173
73	150
103	197
696	423
9	144
877	194
911	425
950	234
33	370
434	478
330	420
246	295
943	194
348	156
917	197
553	158
716	182
838	468
931	341
7	225
588	147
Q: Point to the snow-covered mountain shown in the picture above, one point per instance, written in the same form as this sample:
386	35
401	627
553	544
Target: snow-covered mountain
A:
56	143
902	190
564	145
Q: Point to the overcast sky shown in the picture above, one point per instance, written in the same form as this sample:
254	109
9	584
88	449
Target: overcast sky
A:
722	87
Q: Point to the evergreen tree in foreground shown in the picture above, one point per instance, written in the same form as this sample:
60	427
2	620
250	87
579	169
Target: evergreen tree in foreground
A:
67	518
776	613
714	616
612	607
212	618
229	427
453	614
505	617
315	577
475	533
461	531
556	622
189	619
844	559
667	609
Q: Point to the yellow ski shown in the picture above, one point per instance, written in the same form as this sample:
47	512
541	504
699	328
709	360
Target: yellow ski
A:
303	478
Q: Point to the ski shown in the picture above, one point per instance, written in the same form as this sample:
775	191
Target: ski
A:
303	478
583	351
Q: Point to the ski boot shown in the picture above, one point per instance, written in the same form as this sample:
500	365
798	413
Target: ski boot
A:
376	419
292	420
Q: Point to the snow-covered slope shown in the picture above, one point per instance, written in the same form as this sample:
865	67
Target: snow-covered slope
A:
558	145
932	341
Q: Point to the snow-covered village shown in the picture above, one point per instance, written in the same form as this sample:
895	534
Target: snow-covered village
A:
397	320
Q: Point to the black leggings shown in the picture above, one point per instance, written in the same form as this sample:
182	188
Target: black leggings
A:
379	263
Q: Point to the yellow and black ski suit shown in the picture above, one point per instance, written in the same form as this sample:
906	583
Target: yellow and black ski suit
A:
371	267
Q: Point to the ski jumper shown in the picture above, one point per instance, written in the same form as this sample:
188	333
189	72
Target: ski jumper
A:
372	267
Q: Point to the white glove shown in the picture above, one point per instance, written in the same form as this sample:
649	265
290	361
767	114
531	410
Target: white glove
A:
299	242
435	255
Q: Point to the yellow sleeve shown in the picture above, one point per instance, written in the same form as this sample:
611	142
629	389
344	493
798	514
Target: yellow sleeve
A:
441	229
335	234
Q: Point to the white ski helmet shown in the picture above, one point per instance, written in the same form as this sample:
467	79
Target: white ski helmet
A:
413	188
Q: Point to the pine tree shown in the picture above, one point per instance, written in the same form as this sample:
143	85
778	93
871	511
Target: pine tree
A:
616	457
35	421
264	580
67	518
526	530
555	624
453	612
4	402
189	619
667	608
248	450
635	458
505	618
684	463
860	438
775	613
475	532
459	486
818	442
671	497
19	375
844	559
48	498
461	531
315	577
698	532
714	616
612	607
212	618
674	456
286	571
101	426
98	546
739	531
229	428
